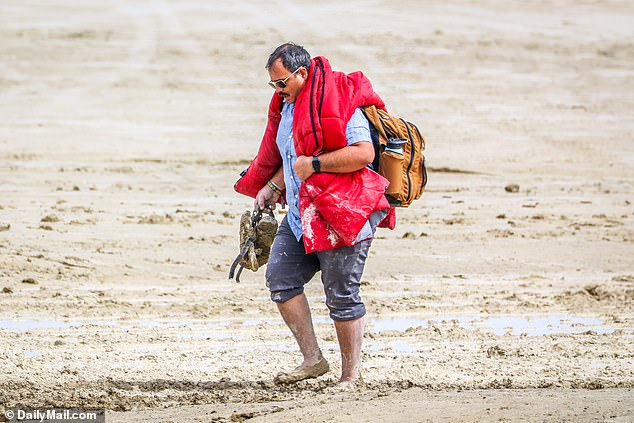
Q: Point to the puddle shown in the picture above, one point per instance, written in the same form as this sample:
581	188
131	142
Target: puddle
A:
533	325
402	347
258	348
544	325
317	320
401	324
25	325
398	346
32	354
215	328
256	322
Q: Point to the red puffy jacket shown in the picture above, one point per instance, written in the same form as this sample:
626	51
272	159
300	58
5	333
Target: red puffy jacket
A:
333	206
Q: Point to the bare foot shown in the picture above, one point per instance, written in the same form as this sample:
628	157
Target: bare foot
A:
356	385
351	382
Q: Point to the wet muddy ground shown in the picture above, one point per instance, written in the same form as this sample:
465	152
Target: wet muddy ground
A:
511	282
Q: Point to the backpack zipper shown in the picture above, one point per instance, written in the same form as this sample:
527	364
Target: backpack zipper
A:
423	183
411	160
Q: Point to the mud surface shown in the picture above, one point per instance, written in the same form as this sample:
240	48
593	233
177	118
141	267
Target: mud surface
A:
511	282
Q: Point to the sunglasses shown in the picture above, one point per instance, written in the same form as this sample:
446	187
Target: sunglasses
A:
281	83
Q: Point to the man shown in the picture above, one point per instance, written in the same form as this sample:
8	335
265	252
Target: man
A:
316	148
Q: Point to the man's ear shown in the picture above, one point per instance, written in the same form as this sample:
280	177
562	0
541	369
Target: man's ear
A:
303	72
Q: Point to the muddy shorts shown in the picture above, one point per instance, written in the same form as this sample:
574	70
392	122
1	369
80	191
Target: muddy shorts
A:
290	268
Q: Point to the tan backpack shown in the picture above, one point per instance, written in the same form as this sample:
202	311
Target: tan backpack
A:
399	148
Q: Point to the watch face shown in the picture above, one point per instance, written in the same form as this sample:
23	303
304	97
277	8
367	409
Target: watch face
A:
316	164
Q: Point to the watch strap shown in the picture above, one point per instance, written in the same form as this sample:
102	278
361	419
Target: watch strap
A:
316	164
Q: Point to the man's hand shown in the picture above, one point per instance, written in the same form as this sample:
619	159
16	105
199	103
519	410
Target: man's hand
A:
303	167
266	198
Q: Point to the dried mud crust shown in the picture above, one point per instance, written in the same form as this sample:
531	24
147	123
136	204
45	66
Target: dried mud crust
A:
117	395
262	237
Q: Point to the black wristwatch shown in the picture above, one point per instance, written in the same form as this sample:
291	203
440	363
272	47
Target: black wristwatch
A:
316	164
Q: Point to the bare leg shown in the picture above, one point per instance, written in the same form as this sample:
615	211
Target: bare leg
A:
350	336
296	314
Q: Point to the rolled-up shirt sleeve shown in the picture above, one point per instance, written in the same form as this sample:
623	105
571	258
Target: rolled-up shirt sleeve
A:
358	128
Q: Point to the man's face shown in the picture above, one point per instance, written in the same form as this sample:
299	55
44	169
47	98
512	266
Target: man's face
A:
294	84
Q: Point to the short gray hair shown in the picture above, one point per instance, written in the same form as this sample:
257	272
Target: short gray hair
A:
293	57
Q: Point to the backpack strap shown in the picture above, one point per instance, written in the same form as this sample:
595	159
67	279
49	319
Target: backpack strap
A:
372	114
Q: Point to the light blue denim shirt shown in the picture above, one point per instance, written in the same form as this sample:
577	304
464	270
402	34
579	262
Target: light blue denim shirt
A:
357	130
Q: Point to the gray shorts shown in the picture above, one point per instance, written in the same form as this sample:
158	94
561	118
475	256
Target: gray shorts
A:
290	268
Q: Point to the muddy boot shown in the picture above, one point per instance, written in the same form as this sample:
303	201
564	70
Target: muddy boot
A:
302	373
250	260
264	234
